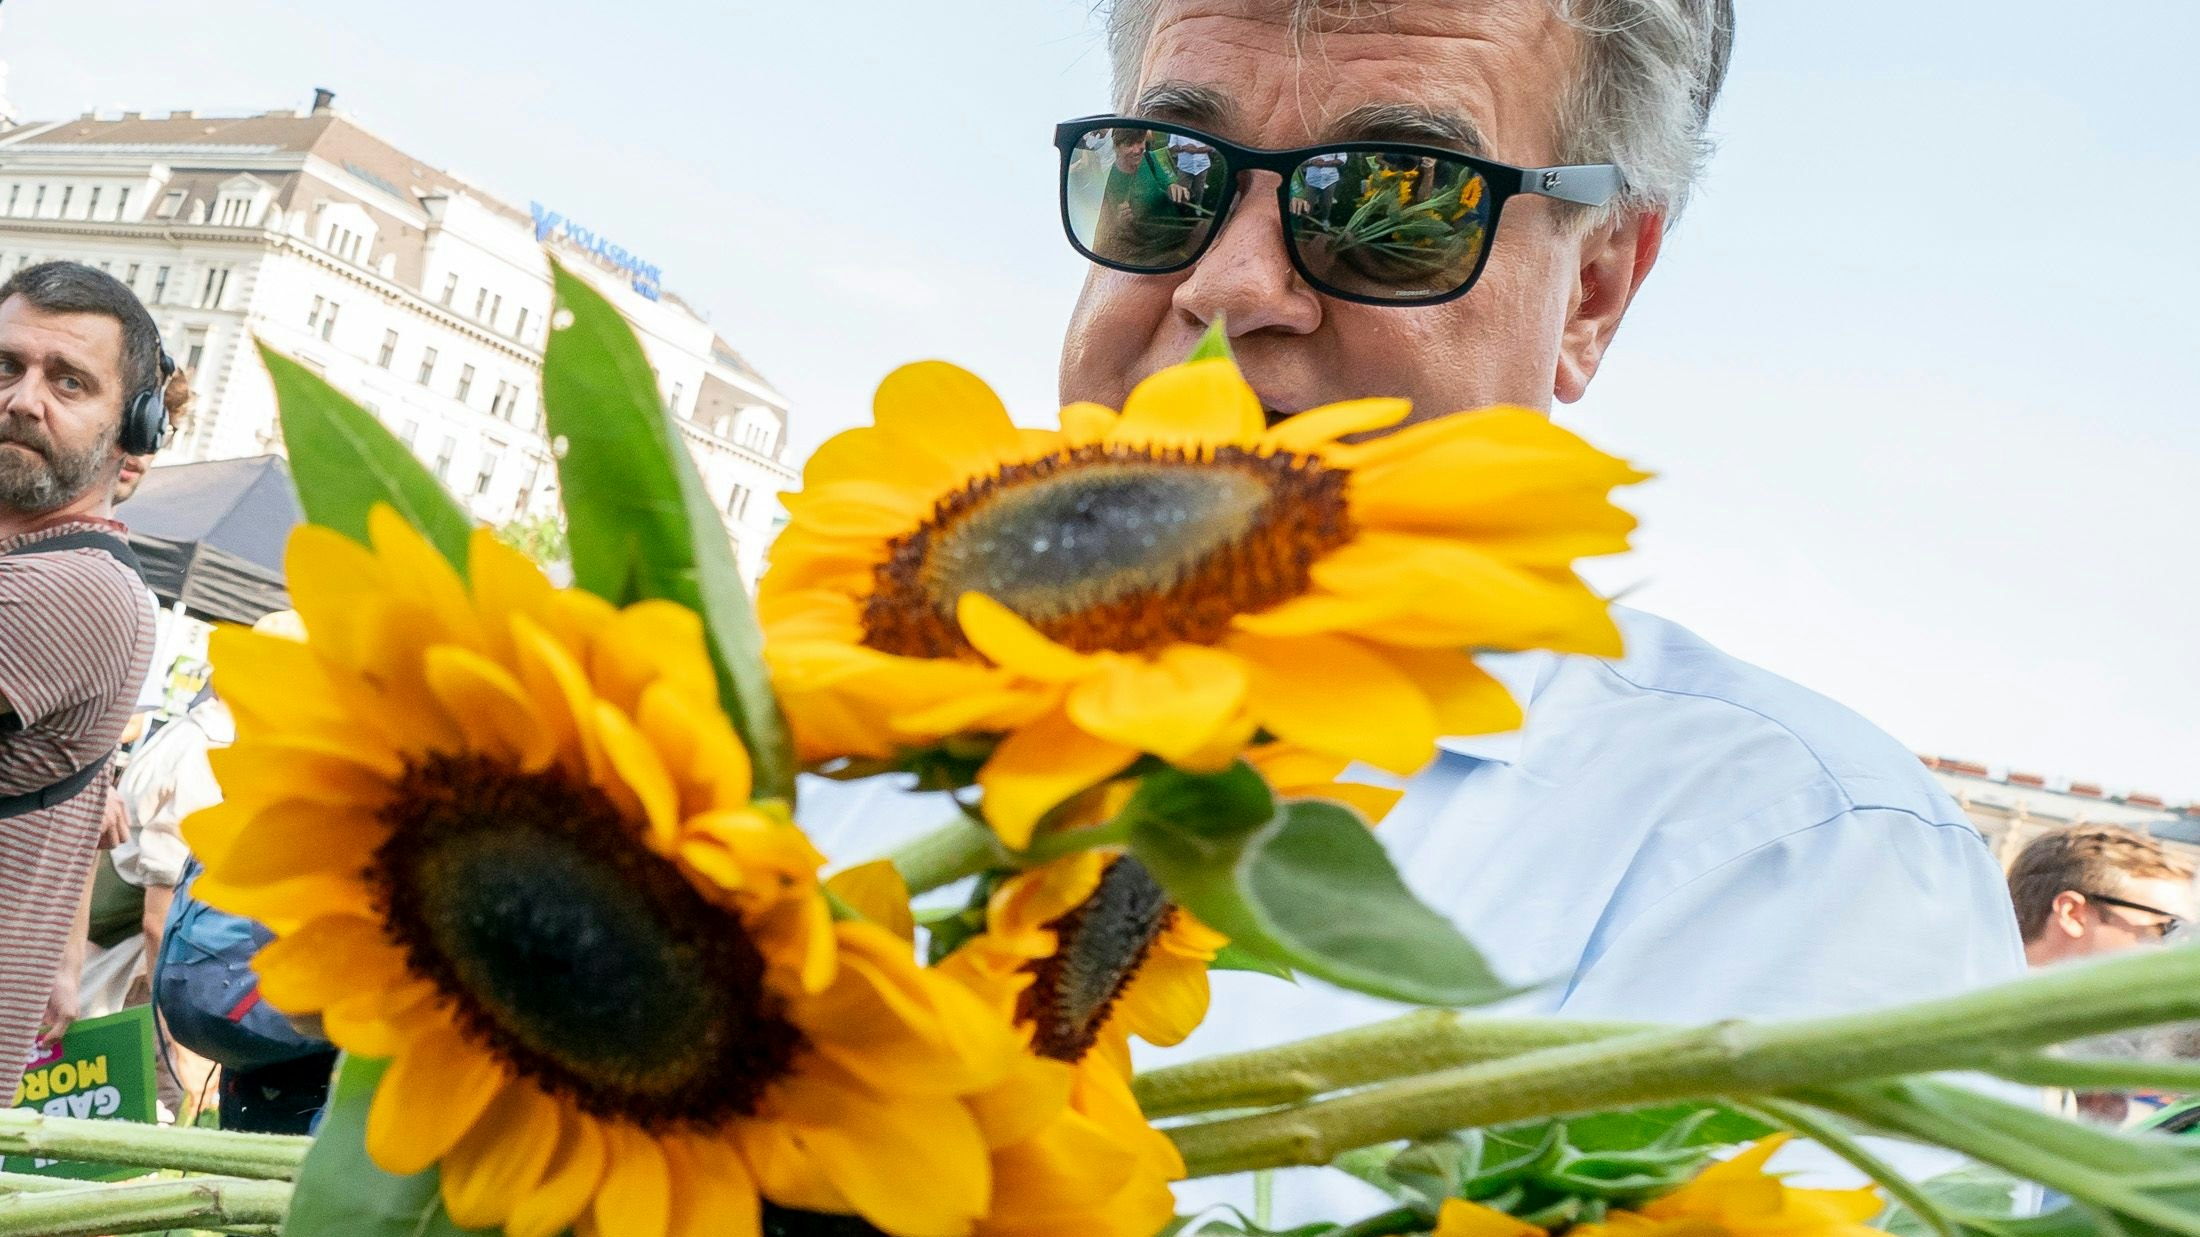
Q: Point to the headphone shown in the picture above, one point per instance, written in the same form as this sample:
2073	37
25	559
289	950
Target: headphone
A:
145	427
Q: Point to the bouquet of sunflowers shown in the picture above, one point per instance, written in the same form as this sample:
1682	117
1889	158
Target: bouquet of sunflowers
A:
533	857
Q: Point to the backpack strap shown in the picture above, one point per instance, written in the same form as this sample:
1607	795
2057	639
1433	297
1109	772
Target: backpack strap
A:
51	796
69	787
86	539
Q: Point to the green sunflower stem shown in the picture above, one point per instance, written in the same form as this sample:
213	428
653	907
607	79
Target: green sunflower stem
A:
959	848
153	1206
1413	1044
1729	1059
30	1133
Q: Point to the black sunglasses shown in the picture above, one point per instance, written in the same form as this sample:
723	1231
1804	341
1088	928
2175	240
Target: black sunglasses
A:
2170	921
1380	223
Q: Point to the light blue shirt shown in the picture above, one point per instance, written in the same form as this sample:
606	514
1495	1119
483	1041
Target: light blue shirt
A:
1675	836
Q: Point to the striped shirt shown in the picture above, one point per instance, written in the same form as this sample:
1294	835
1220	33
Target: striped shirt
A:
76	639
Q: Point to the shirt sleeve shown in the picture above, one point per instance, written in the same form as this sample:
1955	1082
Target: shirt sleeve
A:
68	628
1874	907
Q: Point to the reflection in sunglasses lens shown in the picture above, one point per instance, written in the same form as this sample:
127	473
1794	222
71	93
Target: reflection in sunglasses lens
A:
1140	197
1388	225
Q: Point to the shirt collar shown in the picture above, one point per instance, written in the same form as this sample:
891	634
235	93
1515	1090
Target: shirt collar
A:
1521	674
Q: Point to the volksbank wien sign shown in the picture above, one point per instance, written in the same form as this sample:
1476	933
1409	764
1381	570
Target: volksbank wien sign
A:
646	278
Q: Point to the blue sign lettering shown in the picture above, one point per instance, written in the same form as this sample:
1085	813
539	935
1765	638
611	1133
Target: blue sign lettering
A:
647	279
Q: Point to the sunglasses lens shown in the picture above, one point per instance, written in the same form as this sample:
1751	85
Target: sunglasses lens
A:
1141	198
1390	226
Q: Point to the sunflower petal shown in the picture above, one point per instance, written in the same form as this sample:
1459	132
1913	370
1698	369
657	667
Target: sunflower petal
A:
1172	706
876	891
713	1192
932	408
909	1165
1038	768
638	782
427	575
431	1096
636	1197
502	1159
1337	695
576	1169
327	960
497	714
1200	404
1320	427
1010	642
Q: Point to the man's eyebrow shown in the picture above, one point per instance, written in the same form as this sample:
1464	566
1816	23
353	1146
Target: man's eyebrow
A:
1406	122
1201	107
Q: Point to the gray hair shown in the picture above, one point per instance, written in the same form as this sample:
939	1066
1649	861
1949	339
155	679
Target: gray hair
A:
1651	69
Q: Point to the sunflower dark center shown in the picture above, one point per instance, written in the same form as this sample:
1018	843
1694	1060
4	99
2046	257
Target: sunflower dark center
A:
1113	547
571	951
1099	946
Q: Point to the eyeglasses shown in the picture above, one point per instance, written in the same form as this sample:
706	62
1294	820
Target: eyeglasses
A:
2170	923
1380	223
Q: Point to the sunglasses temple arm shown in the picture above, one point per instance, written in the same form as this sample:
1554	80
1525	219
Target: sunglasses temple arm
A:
1585	184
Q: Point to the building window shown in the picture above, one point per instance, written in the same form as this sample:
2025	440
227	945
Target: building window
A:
465	382
313	316
160	285
172	204
527	485
38	201
131	278
194	350
427	365
674	403
122	201
481	302
234	212
496	398
217	283
409	433
67	192
14	192
519	329
487	475
91	203
443	457
328	324
496	309
450	289
389	350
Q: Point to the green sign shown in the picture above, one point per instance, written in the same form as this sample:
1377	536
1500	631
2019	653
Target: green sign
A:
103	1070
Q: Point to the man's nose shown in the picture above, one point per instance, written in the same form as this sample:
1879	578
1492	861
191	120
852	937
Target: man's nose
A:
1246	276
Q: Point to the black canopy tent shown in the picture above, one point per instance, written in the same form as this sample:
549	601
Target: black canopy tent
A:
211	535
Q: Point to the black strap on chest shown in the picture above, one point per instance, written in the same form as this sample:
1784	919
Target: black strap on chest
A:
69	787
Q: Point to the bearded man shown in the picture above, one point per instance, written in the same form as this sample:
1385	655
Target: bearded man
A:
80	372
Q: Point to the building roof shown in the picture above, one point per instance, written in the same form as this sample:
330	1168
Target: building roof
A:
2067	799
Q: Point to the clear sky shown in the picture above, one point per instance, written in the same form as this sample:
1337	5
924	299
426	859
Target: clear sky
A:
1919	371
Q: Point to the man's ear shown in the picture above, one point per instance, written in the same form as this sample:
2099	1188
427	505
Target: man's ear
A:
1616	256
2066	914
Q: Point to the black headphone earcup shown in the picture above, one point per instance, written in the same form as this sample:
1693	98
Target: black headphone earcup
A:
142	423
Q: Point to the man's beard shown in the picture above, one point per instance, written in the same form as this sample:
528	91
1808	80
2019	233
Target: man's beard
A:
48	477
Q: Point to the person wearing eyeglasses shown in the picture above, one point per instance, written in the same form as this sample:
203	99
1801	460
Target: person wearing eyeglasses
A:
2097	889
1455	203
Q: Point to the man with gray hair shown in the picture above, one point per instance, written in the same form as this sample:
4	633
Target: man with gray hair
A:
1673	835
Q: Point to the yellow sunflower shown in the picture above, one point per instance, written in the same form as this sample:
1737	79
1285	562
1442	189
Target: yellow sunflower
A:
1738	1198
1732	1198
1174	579
505	837
1072	1152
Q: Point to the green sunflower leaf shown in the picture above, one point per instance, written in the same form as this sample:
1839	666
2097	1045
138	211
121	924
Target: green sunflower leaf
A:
343	462
639	522
1313	890
1215	343
342	1193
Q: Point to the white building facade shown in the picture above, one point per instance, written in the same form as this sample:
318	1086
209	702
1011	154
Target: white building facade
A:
415	293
